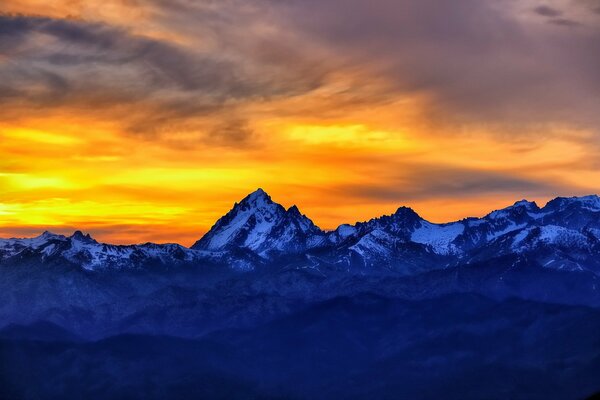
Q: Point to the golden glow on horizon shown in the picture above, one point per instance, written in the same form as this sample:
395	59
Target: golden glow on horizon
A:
134	191
343	147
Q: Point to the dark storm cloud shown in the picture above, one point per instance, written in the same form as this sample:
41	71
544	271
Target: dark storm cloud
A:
547	11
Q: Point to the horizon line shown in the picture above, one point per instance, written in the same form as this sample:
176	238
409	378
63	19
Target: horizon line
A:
84	232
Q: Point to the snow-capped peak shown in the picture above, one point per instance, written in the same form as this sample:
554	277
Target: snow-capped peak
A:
590	202
521	209
294	214
529	205
258	224
293	210
406	213
257	229
258	198
47	235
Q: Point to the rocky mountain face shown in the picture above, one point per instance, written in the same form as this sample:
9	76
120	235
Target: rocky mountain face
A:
266	228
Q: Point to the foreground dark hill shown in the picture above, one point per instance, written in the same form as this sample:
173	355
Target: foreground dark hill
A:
267	305
365	346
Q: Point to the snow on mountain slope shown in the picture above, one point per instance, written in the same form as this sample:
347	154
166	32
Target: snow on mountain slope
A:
44	242
262	226
400	225
376	242
85	252
590	202
92	255
258	231
439	237
549	235
511	218
247	224
520	208
342	233
461	237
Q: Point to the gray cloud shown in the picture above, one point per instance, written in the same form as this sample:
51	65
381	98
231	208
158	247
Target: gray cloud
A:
564	22
475	60
148	84
547	11
422	182
590	5
232	131
162	65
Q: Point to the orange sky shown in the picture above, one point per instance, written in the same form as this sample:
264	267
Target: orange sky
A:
142	121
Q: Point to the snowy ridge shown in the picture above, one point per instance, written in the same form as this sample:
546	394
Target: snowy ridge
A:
376	241
439	237
258	232
590	202
550	234
87	253
46	243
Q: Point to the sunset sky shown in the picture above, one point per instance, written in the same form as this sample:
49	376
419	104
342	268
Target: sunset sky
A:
145	120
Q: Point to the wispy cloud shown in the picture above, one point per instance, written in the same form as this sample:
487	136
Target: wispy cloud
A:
423	182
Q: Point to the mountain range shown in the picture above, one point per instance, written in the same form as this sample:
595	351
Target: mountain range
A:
260	233
268	305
